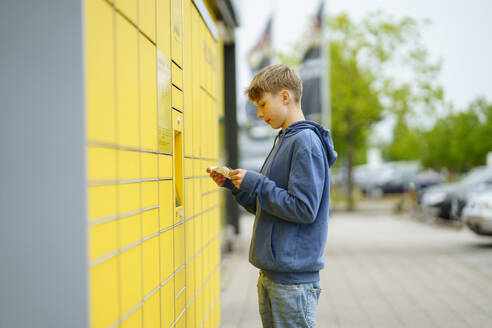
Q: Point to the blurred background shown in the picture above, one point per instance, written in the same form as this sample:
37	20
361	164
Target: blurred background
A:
111	111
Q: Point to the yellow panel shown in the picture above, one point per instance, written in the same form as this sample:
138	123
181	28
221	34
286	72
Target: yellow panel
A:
189	231
179	284
167	303
101	163
164	103
197	170
134	320
147	13
181	323
130	230
101	112
150	194
148	85
177	45
188	125
164	27
177	76
190	315
165	166
128	165
102	201
102	239
128	8
150	224
188	166
129	197
166	204
104	293
151	310
149	165
127	84
166	253
189	204
179	246
177	100
150	265
131	278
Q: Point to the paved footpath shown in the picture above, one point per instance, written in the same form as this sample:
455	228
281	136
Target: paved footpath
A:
381	271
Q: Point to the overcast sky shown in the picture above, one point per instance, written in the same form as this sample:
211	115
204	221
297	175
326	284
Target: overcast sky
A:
460	33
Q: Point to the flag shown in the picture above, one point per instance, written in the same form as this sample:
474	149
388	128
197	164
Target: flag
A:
313	69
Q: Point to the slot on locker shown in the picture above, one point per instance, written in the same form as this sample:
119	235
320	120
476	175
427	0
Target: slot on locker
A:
178	166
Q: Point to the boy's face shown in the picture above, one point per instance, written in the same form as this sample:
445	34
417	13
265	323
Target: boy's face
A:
272	109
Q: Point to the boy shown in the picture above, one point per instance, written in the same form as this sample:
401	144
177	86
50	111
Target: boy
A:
290	198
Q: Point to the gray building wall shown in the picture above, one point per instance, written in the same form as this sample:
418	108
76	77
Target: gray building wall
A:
43	260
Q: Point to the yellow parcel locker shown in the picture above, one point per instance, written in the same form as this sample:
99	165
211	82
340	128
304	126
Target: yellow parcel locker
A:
100	85
167	303
101	163
152	311
147	18
102	201
128	165
166	204
148	87
127	83
150	265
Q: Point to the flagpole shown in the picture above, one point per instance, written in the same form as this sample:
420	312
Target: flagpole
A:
325	77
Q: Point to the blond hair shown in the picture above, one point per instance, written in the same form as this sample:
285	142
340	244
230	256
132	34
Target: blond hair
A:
273	79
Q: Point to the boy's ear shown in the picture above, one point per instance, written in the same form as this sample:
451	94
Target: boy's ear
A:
285	96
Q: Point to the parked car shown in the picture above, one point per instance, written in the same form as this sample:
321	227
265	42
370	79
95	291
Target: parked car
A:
477	213
437	200
392	178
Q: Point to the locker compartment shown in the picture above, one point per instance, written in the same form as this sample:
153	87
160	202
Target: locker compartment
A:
177	99
166	253
104	293
102	239
100	85
128	165
165	166
177	76
128	8
152	311
190	315
188	198
179	292
167	303
181	323
190	280
189	237
164	27
134	320
131	278
150	194
129	230
150	265
102	201
177	31
147	18
101	163
129	197
127	87
164	103
150	222
179	246
148	87
149	166
188	167
166	204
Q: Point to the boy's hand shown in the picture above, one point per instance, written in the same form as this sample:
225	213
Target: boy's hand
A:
217	177
237	176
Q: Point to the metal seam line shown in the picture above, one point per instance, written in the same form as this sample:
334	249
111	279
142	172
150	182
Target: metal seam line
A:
179	293
119	147
110	218
95	183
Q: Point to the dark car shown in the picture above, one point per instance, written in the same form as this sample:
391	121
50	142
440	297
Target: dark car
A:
437	200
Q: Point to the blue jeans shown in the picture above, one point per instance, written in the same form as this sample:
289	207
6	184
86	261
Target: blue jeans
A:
283	305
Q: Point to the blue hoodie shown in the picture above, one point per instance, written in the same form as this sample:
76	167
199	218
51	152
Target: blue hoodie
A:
291	200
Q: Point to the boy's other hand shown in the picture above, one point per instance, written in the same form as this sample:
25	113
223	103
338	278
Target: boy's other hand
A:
237	176
217	177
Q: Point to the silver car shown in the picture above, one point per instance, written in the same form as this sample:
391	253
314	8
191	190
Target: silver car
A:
477	213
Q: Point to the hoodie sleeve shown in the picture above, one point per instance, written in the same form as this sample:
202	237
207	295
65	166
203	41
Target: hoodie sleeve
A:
242	197
299	203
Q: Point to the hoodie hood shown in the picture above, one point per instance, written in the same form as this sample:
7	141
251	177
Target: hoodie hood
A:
322	133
